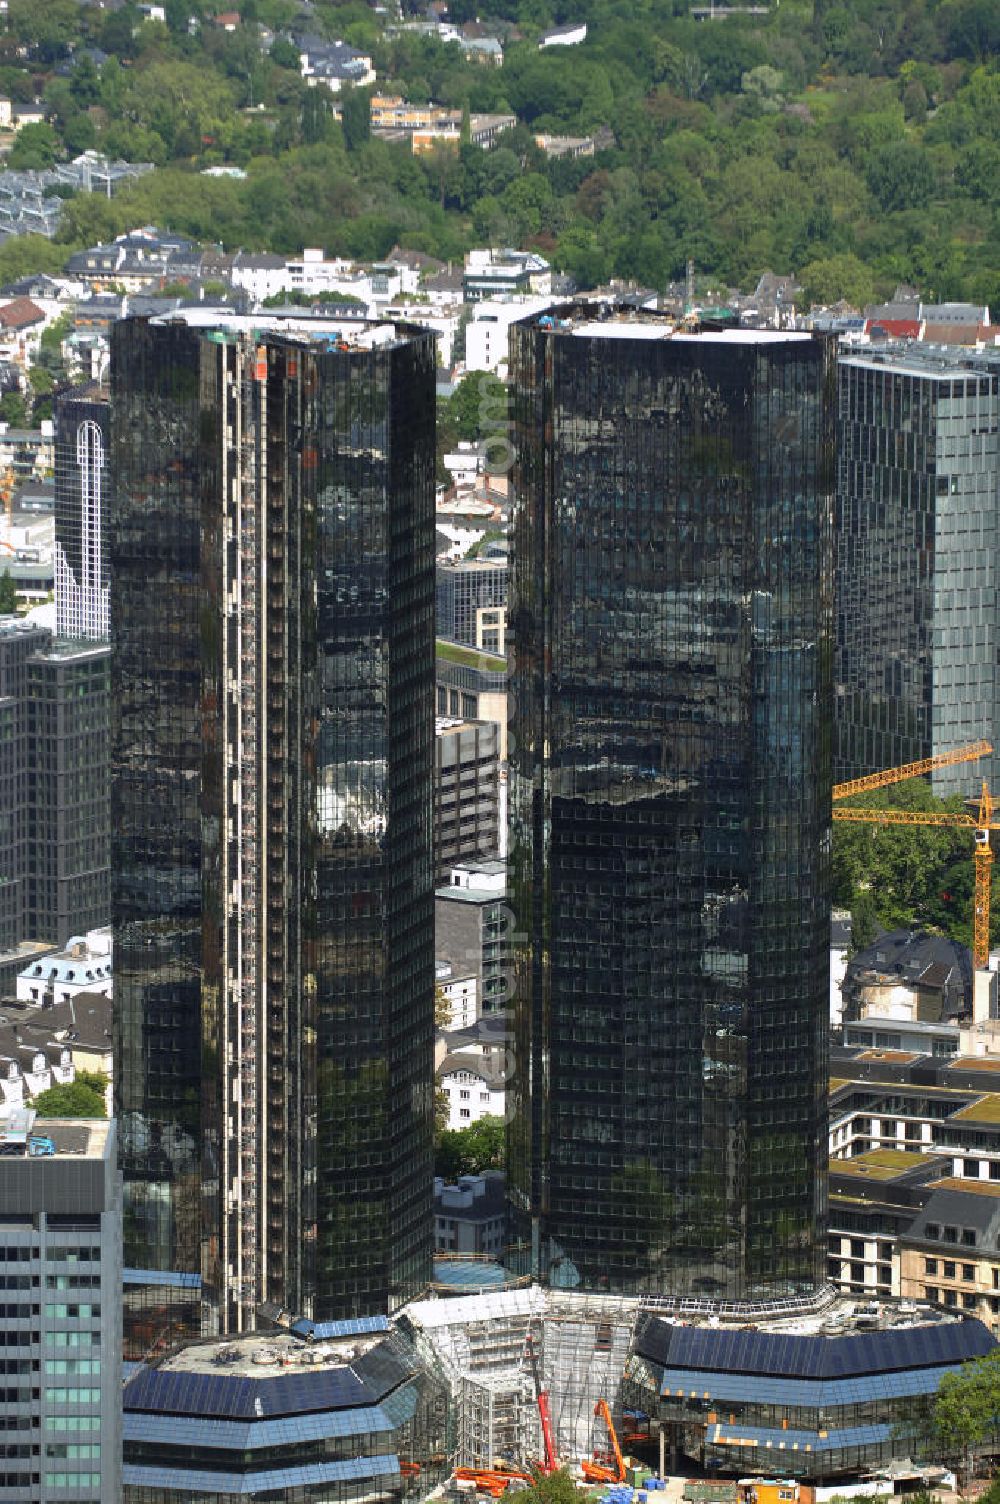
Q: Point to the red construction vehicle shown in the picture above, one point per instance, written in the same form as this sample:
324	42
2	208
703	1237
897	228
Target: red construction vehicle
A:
544	1413
599	1472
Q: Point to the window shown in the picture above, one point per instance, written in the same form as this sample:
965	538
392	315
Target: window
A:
933	1231
464	1112
968	1237
464	1096
949	1269
930	1266
970	1301
968	1273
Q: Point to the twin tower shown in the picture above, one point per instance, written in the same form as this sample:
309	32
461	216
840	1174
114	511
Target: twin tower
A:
272	549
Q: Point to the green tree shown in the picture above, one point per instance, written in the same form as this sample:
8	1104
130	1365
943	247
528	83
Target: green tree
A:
284	55
830	278
965	1410
356	118
35	147
907	870
8	594
901	176
551	1488
14	410
75	1101
469	1151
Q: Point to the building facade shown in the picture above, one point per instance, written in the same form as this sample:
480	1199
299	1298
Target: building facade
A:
472	930
466	792
471	602
918	539
60	1263
791	1406
69	715
54	777
671	613
82	503
272	631
343	1410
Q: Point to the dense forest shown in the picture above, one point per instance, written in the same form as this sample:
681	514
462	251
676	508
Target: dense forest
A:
854	143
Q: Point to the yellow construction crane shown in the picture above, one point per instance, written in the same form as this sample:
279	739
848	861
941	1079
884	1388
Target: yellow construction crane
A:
980	824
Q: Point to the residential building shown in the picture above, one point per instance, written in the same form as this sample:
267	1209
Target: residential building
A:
272	630
873	1200
474	1086
340	1410
62	1277
84	966
471	924
471	602
457	990
496	273
918	553
469	1215
487	332
466	792
909	976
570	35
670	802
82	503
950	1253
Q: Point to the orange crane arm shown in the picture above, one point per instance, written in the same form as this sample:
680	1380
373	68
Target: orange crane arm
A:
956	820
908	817
603	1409
911	770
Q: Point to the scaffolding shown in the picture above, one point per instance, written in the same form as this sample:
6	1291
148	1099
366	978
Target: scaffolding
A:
480	1344
586	1341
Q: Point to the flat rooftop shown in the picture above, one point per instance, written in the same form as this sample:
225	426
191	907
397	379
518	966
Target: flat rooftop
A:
354	333
879	1164
262	1357
78	1138
619	321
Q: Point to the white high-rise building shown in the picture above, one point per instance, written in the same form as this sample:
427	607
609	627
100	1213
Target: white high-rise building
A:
82	496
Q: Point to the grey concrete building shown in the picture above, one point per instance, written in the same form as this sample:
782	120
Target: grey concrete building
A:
471	929
466	792
918	560
60	1263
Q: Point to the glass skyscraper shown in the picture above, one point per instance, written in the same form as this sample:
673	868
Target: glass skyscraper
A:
272	549
917	668
671	613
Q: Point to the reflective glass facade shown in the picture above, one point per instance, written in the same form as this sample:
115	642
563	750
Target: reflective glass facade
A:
273	631
918	542
671	609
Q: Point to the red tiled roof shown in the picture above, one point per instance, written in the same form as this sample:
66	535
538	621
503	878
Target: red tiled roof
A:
19	313
896	328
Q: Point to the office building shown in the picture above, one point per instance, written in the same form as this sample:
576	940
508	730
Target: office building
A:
671	614
69	713
786	1405
54	781
60	1264
472	602
82	502
339	1410
466	792
273	644
472	684
917	572
472	930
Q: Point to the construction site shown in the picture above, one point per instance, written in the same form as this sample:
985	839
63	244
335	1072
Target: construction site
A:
625	1392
